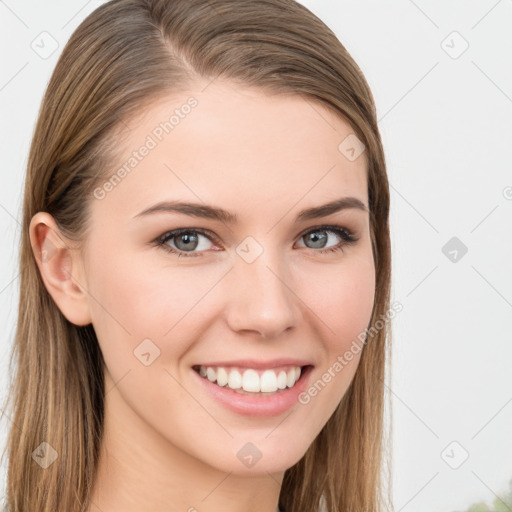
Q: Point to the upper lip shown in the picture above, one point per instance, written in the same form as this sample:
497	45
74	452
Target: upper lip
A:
253	363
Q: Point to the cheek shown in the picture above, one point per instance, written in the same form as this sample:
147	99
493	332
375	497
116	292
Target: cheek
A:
342	302
342	299
131	303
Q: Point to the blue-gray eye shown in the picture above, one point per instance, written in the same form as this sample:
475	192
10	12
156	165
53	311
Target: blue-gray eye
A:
186	240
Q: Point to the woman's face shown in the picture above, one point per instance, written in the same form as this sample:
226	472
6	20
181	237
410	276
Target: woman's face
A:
252	286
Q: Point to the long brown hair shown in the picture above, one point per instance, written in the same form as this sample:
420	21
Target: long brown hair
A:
123	55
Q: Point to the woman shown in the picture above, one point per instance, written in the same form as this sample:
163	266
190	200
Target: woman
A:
205	269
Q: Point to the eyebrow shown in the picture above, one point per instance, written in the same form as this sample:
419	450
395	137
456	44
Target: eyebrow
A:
215	213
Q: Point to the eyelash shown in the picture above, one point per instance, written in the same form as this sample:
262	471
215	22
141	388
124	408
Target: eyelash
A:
345	234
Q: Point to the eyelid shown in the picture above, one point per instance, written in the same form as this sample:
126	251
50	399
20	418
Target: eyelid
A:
349	238
173	233
333	227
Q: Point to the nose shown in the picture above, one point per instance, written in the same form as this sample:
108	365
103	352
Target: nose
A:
261	297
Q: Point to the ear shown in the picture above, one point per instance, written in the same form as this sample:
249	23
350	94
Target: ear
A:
61	268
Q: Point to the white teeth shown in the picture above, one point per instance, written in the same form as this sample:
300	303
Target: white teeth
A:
282	379
235	380
268	381
222	377
211	375
290	380
250	380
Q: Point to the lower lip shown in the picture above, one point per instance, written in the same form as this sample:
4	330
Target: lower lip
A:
257	405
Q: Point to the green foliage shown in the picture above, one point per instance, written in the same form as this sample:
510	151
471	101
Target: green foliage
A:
502	503
479	507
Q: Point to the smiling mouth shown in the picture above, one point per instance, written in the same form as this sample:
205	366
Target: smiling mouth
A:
248	381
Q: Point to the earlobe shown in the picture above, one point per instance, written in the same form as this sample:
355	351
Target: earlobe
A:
61	268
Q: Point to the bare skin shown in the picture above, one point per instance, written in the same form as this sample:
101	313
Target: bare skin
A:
168	445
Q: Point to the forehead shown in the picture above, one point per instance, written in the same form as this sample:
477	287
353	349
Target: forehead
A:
244	147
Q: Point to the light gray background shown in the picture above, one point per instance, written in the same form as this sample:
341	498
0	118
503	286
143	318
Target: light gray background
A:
446	123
